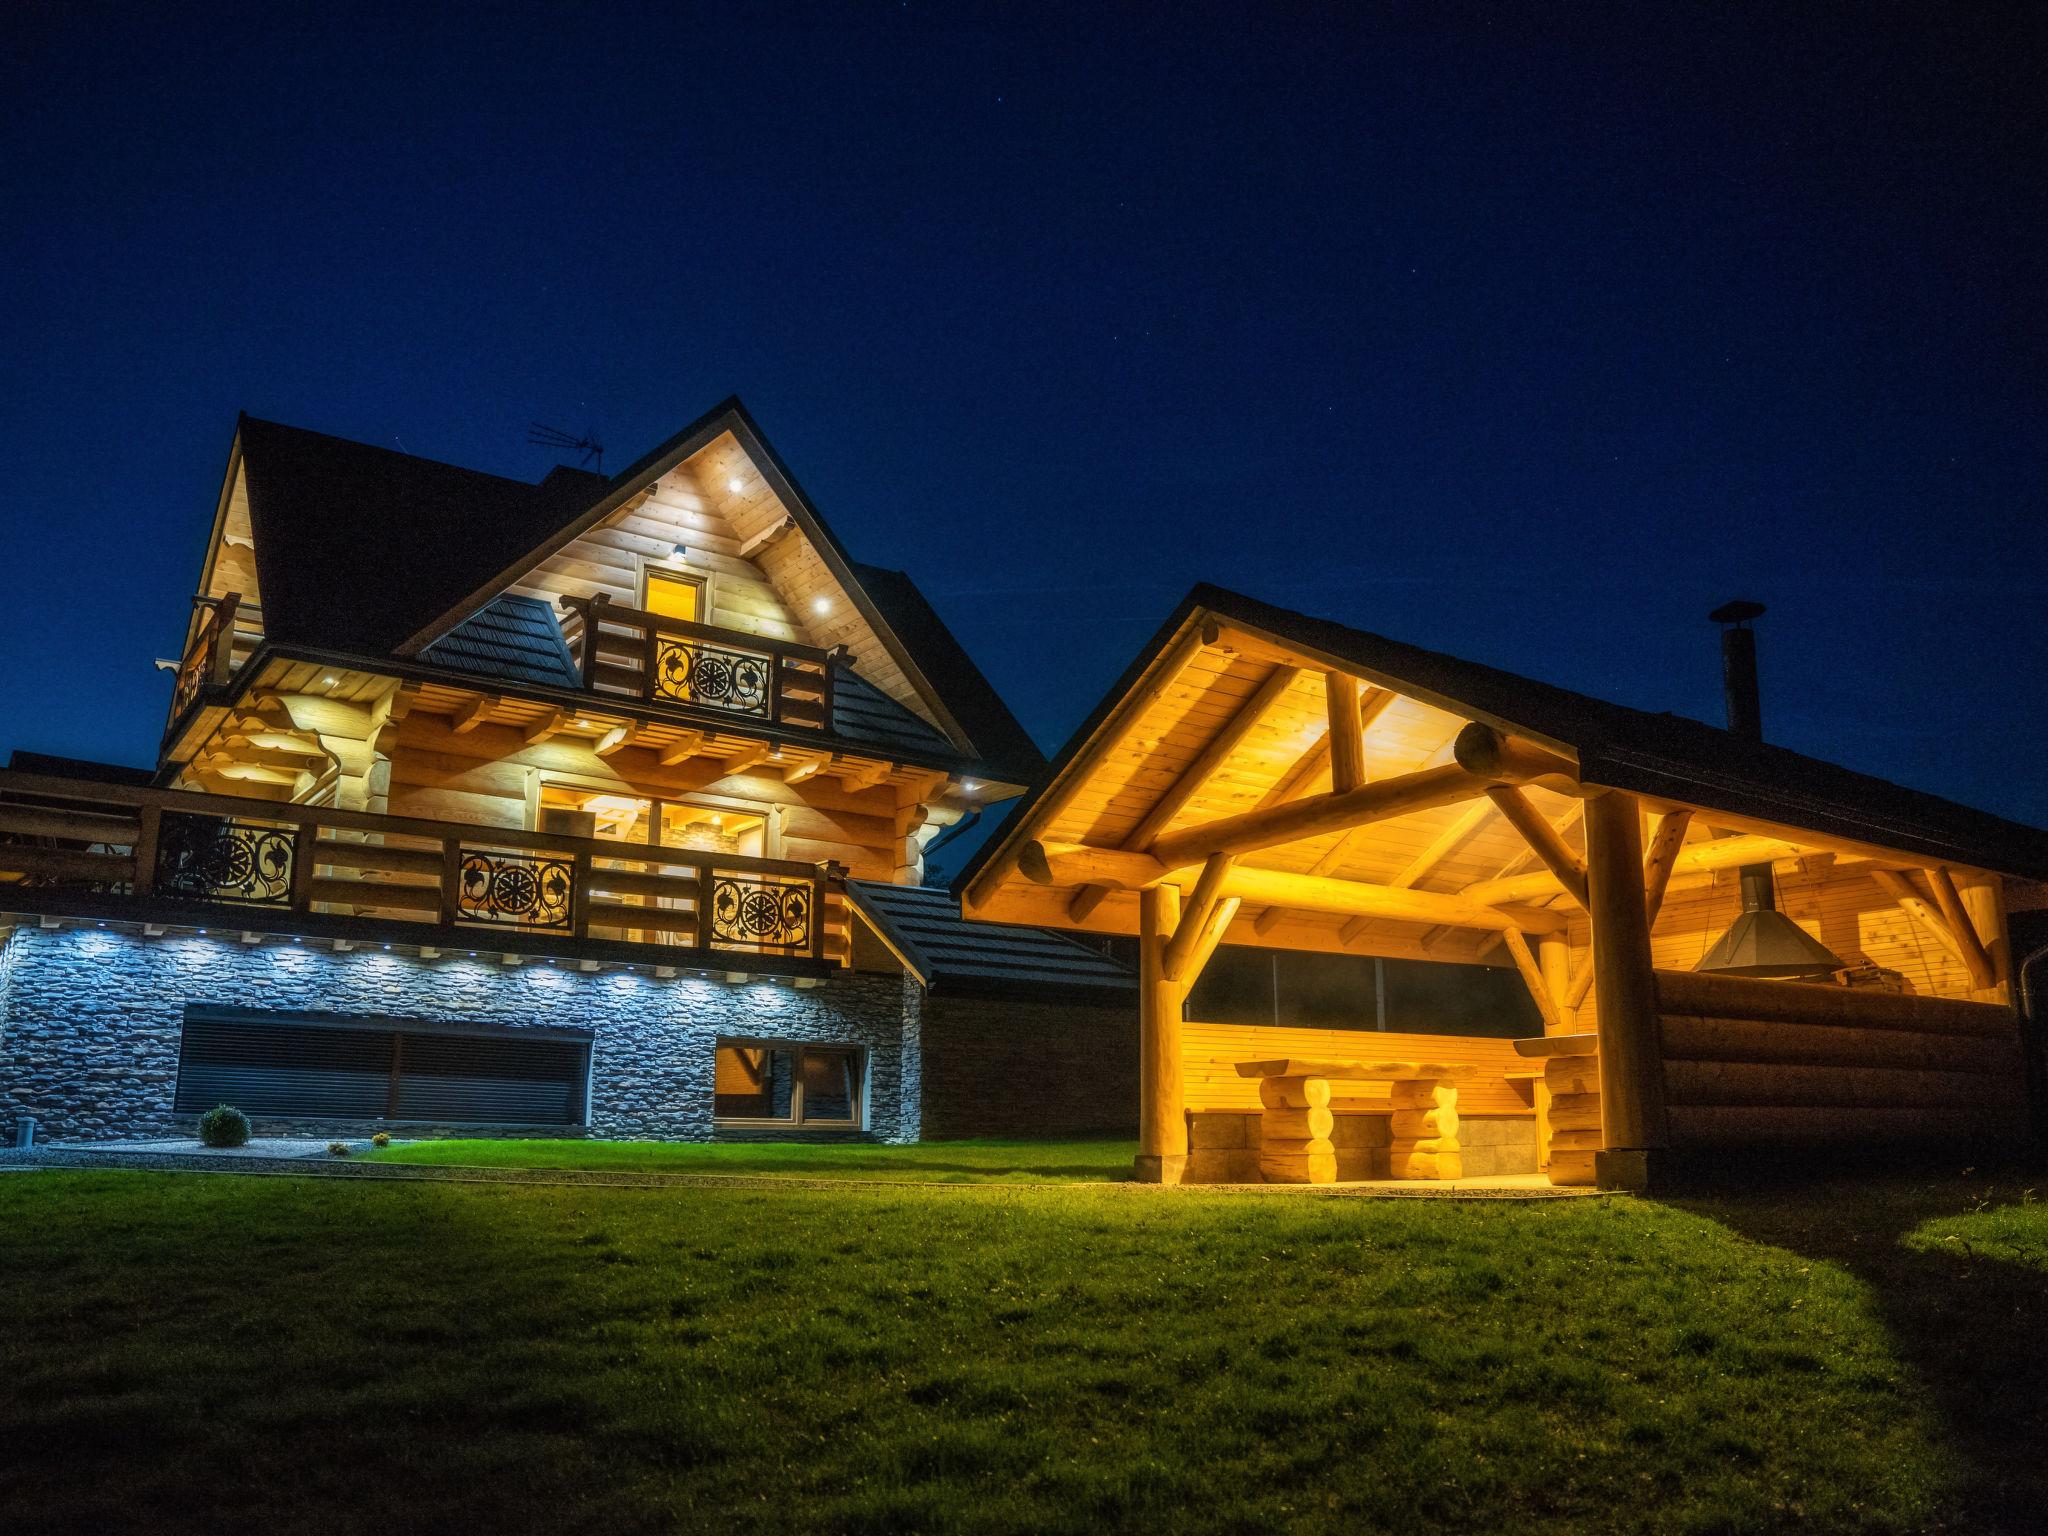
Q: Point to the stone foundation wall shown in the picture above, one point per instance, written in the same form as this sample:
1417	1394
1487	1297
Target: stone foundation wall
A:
90	1020
1005	1067
1223	1145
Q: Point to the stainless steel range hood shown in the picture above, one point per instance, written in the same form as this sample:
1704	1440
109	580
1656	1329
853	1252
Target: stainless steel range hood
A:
1762	941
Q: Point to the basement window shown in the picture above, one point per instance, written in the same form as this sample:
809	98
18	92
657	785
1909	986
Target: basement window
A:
781	1083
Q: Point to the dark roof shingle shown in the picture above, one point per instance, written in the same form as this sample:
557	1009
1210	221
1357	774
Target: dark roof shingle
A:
954	955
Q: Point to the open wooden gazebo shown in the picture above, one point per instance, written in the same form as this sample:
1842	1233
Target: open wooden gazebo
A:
1262	778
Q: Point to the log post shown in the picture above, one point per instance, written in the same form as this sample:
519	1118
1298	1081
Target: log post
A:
1631	1054
1162	1117
1554	961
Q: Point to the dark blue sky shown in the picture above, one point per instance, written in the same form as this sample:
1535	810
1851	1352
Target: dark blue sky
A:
1529	335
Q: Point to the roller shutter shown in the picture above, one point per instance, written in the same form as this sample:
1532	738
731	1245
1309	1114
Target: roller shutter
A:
319	1067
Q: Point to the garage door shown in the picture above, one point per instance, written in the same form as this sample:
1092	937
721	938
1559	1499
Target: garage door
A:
320	1066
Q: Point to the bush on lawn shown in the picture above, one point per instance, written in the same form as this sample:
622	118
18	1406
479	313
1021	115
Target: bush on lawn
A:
338	1148
224	1126
381	1139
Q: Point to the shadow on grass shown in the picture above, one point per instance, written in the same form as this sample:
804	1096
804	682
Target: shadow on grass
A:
1974	1327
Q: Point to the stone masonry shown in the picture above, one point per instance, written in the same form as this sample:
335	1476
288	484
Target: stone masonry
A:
90	1021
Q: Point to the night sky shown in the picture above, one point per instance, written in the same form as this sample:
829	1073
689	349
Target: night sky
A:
1527	334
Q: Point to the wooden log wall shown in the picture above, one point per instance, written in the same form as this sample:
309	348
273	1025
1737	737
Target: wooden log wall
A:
1210	1054
485	777
1749	1063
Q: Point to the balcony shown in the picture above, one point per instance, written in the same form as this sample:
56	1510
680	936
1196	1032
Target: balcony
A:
631	653
226	635
71	847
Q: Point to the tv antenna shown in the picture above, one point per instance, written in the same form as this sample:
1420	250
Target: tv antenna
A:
591	451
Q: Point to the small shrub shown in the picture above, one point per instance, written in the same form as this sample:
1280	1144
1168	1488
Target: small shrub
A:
337	1149
224	1126
381	1139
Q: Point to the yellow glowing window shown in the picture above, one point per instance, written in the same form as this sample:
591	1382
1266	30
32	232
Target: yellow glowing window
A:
675	597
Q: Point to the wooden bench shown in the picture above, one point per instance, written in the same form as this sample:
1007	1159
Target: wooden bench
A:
1294	1128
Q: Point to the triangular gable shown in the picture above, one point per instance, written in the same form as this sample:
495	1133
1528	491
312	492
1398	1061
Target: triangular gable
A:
230	565
718	490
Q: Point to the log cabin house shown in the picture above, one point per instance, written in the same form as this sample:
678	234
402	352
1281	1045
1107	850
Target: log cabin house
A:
1728	945
482	802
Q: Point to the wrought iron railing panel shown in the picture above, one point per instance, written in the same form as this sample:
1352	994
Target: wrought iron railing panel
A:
692	671
763	911
527	889
222	858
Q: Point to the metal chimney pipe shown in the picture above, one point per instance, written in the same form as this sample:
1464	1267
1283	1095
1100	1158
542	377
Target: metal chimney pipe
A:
1738	668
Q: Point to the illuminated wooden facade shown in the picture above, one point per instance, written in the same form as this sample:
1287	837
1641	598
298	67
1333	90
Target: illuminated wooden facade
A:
1259	778
666	679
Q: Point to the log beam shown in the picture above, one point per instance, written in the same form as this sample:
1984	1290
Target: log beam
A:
1901	889
1975	958
1690	859
1662	859
1077	864
1532	978
1320	814
1504	759
1557	857
1201	905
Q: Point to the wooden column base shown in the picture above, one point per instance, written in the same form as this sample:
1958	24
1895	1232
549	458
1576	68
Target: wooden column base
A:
1625	1170
1294	1131
1575	1133
1146	1169
1425	1127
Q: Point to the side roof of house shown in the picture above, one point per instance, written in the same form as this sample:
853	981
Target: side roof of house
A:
949	954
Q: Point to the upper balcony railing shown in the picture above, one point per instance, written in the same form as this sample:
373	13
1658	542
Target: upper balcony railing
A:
222	640
169	855
642	655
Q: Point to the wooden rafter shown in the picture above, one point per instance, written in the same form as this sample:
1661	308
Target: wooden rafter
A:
545	727
686	745
472	715
1193	777
1442	846
1895	884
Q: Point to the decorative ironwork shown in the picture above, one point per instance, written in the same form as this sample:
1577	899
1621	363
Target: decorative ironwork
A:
217	858
770	913
531	890
696	672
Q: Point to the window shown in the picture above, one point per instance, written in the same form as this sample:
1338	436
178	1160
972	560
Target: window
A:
675	596
621	818
775	1083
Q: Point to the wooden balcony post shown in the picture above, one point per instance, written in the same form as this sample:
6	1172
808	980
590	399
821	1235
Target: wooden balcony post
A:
1631	1045
305	837
221	662
706	881
579	894
149	826
593	617
1162	1111
451	881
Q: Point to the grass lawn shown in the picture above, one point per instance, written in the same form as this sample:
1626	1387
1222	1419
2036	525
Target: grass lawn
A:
206	1352
943	1162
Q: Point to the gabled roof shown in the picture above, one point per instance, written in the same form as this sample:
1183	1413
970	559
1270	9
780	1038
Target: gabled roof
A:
375	553
1660	755
359	546
948	954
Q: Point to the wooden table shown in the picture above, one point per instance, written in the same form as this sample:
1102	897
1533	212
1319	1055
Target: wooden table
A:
1294	1129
